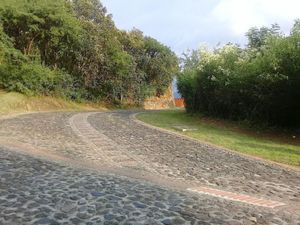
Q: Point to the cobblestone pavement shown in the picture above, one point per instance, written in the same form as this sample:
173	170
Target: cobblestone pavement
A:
179	157
114	139
34	191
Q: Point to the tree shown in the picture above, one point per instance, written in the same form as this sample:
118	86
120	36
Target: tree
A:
43	30
161	65
78	40
260	83
257	36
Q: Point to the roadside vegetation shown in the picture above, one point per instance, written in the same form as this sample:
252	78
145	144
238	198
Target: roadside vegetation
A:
73	50
13	102
278	146
259	84
243	99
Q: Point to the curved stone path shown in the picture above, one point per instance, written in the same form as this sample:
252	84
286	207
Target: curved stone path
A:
179	157
35	190
105	149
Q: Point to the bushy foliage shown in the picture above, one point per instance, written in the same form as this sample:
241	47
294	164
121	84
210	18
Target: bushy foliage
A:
33	79
74	48
260	83
19	73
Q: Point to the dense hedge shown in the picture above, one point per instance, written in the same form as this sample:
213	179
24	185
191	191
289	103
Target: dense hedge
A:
260	84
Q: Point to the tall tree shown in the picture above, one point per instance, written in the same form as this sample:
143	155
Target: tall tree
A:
257	36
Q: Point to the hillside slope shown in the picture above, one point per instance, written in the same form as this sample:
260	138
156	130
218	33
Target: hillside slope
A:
12	102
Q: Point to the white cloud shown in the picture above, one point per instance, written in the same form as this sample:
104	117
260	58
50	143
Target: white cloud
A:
184	24
240	15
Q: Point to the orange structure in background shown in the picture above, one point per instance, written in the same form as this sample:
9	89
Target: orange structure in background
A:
179	102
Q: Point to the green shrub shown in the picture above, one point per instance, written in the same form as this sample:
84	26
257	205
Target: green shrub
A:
255	84
33	79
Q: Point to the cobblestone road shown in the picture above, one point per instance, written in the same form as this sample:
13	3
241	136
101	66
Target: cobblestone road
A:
35	191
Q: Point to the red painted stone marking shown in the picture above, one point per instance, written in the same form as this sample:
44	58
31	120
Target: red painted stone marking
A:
237	197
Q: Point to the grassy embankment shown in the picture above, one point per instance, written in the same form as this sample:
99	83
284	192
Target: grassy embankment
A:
11	102
280	147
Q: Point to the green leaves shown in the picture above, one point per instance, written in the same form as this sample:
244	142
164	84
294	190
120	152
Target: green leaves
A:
78	42
257	37
260	83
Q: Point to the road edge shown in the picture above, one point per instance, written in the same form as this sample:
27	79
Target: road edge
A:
251	157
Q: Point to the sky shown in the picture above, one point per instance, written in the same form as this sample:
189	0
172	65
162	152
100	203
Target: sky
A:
188	24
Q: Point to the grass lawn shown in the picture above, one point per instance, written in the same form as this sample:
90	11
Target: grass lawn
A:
228	135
